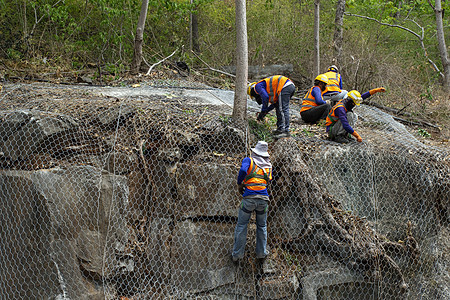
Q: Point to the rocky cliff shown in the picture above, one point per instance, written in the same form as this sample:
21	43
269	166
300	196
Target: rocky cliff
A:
132	194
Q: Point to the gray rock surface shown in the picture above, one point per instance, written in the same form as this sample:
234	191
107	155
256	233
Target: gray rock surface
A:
66	215
149	211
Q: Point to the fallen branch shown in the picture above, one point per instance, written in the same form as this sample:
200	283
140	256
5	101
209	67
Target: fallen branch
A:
417	123
212	69
341	236
150	69
400	112
389	109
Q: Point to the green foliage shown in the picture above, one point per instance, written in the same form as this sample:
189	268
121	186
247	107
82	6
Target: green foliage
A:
423	133
279	32
13	54
307	132
261	130
427	94
225	119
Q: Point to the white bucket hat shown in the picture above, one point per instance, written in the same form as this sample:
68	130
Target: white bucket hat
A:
261	149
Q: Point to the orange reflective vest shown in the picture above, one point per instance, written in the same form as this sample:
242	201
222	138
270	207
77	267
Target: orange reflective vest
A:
333	82
257	178
309	101
332	118
274	85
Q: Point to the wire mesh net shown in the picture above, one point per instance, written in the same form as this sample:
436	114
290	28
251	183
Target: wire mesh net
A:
130	193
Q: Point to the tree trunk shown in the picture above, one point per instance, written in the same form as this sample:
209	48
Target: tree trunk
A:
240	92
338	33
316	67
137	57
441	41
194	46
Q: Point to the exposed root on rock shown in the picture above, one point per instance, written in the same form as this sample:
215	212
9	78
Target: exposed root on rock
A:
327	229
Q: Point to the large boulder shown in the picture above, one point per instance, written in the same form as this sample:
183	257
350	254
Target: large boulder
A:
27	132
206	190
60	236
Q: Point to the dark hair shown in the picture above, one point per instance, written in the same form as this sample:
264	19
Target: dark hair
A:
349	104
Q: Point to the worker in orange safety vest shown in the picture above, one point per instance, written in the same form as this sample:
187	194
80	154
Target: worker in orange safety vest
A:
253	178
314	108
274	92
334	91
341	119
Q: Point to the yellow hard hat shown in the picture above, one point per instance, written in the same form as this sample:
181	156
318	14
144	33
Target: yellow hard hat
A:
322	77
249	88
355	96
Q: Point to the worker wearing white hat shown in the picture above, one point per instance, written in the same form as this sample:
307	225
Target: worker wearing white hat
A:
254	176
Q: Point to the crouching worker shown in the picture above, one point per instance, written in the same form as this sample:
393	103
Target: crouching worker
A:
342	119
314	108
253	178
274	92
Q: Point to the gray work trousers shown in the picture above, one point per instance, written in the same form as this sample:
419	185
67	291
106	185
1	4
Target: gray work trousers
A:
334	98
338	129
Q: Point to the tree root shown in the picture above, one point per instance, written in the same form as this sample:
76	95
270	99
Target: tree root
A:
329	230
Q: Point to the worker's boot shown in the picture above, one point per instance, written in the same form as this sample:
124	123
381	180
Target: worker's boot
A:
282	135
277	132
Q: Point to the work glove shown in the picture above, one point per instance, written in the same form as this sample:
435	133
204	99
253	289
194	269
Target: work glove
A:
377	90
241	189
357	136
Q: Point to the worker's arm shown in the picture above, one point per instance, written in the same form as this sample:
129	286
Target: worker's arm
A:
317	94
372	92
243	170
260	89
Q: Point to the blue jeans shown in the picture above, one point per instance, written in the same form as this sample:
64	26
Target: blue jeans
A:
282	107
249	205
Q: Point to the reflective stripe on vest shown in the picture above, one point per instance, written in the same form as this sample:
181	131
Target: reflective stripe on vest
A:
274	85
333	82
309	101
257	178
332	118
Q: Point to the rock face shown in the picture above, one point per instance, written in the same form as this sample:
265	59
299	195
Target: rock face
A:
146	209
58	231
26	132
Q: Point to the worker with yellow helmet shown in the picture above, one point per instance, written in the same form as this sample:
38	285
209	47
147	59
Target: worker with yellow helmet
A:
334	91
314	108
341	118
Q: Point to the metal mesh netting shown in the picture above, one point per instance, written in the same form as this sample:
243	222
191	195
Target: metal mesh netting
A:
130	193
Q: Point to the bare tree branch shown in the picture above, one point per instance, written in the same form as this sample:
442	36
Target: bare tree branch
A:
155	64
420	37
211	68
382	23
